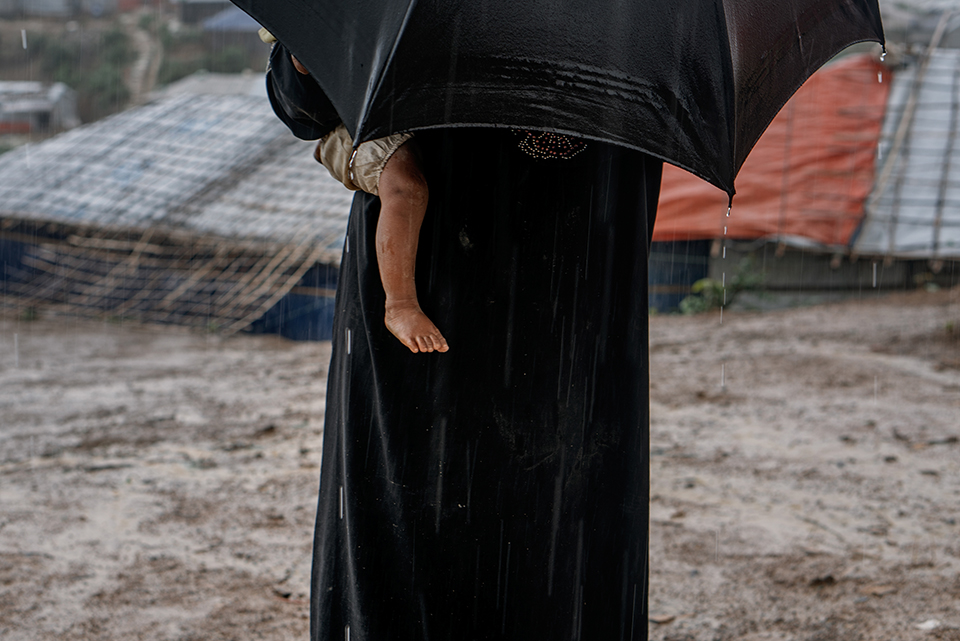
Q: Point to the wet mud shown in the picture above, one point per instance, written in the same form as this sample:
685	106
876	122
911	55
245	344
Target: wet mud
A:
161	484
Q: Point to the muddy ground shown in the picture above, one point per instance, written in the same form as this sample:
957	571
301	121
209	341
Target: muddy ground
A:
157	484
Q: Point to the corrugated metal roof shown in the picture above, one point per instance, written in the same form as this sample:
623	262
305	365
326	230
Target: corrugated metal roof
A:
26	96
221	165
914	211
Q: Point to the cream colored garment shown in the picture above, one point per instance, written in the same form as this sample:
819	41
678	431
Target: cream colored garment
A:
361	170
266	36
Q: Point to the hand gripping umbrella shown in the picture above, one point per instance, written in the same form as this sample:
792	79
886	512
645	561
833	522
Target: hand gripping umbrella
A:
693	82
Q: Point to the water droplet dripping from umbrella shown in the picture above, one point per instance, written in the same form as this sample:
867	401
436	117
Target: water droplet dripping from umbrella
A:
723	281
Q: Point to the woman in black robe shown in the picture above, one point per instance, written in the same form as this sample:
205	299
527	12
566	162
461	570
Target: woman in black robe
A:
499	490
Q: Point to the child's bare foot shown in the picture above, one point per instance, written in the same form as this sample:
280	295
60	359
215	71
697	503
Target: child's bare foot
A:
410	325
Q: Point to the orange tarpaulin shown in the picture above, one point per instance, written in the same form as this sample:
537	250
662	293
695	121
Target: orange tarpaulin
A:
809	175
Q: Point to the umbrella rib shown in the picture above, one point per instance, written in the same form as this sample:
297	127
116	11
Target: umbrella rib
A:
381	75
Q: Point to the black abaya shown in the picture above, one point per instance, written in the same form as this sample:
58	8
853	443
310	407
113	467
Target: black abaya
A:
499	490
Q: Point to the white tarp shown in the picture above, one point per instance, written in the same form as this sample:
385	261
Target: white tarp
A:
914	211
215	164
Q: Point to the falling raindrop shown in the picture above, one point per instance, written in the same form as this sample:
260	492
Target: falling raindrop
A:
883	54
341	502
879	153
723	382
439	497
874	273
721	314
346	633
723	279
724	230
347	245
23	37
506	584
879	76
724	251
349	341
728	211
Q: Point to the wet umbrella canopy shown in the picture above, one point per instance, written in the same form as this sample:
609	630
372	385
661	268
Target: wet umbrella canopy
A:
693	82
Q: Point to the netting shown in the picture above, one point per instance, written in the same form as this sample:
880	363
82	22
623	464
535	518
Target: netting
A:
152	275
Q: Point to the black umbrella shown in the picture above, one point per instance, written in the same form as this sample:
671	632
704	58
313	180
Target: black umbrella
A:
694	82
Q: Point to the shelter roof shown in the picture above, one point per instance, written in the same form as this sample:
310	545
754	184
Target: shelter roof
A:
220	165
248	83
915	209
17	96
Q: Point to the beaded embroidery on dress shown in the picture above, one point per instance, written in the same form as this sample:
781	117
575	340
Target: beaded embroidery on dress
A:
544	145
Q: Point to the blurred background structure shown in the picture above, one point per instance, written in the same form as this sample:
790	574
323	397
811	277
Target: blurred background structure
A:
181	199
194	209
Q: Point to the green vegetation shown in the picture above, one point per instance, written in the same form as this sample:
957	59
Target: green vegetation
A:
228	60
94	69
94	57
709	293
185	53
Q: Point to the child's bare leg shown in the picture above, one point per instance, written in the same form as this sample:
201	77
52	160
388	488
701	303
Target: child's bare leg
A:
403	198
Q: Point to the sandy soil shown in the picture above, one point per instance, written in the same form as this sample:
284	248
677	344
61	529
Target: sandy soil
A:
157	484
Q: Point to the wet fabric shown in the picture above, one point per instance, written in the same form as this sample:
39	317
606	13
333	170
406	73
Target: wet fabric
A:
297	99
360	168
694	82
499	490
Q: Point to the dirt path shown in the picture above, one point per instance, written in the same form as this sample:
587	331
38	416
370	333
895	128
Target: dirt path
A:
815	495
157	484
142	75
